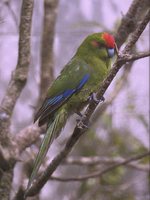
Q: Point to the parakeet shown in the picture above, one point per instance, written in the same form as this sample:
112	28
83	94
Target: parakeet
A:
70	92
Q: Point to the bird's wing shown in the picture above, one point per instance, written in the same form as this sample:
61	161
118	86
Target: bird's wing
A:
71	80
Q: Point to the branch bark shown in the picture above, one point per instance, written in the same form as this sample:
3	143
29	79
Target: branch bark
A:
138	56
16	85
129	21
19	76
50	9
27	137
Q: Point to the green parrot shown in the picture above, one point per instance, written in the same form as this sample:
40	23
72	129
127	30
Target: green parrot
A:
72	89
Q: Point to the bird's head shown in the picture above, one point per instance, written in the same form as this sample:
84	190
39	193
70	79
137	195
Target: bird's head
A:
101	45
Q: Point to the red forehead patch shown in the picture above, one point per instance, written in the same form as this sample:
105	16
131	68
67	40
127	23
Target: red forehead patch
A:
109	40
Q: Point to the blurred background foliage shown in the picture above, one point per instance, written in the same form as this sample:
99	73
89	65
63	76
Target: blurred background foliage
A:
121	131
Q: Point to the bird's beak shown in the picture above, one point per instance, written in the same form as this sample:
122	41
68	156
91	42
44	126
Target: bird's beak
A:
111	52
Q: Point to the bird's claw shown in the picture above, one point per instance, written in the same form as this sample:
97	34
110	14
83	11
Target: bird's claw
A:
94	98
81	125
80	122
79	113
102	99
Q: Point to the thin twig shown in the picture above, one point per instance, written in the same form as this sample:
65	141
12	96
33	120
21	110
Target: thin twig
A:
129	21
7	3
133	57
90	161
135	36
98	174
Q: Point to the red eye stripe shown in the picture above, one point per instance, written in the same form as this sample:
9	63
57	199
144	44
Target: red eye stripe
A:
109	40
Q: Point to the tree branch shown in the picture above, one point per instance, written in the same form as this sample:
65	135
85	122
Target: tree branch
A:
16	84
90	161
129	57
19	76
129	21
98	174
27	136
50	8
80	128
136	34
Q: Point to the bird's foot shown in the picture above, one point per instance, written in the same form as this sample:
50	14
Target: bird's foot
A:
82	125
94	98
79	113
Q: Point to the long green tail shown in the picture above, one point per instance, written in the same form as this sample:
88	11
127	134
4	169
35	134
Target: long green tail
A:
52	132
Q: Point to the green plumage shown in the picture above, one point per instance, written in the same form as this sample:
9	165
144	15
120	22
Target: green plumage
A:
71	90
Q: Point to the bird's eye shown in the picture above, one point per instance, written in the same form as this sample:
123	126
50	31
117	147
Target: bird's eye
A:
111	52
95	43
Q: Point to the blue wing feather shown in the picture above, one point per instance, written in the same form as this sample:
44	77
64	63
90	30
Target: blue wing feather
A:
54	100
83	81
53	103
67	93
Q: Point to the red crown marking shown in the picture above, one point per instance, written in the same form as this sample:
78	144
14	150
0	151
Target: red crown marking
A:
109	40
